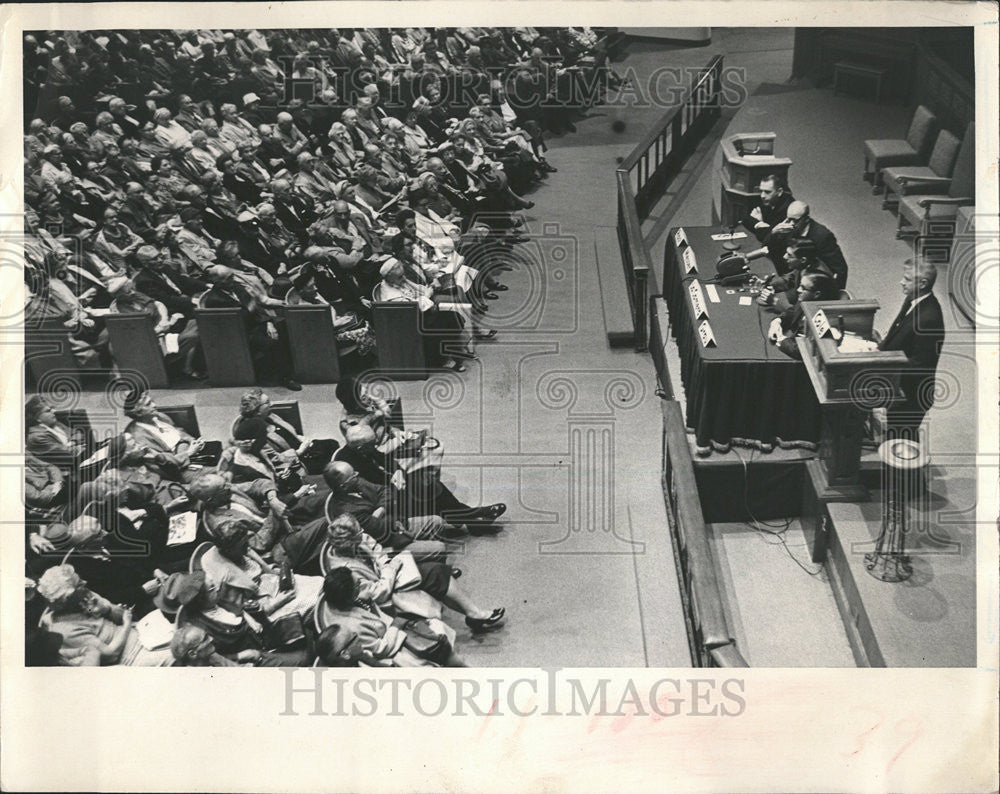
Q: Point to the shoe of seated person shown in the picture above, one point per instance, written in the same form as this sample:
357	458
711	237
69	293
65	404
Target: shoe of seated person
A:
495	620
292	385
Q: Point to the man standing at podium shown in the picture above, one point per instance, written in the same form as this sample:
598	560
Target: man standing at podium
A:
917	331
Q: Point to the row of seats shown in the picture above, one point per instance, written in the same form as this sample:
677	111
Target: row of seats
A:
925	177
48	352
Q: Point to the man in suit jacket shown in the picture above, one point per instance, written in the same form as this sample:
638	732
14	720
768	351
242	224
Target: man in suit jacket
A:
798	223
420	493
772	208
174	290
918	331
372	506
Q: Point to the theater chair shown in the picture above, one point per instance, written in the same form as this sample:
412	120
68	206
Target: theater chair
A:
184	416
927	216
931	179
883	152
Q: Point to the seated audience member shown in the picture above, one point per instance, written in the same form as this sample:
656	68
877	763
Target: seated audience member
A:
233	562
177	334
378	577
374	508
358	630
219	611
917	331
44	487
791	323
248	459
419	493
50	440
191	646
158	433
282	439
439	327
267	337
771	209
354	335
94	631
259	501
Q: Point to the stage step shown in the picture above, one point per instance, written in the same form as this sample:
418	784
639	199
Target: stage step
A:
614	293
781	615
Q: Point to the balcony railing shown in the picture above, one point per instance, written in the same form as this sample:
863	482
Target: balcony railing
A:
644	175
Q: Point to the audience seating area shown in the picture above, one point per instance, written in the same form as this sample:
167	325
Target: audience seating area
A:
254	208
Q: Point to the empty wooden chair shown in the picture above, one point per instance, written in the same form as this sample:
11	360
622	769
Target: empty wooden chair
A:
400	341
315	356
883	152
933	216
48	354
136	347
933	178
226	346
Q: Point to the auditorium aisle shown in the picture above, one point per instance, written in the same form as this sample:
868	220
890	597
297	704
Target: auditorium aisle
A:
583	565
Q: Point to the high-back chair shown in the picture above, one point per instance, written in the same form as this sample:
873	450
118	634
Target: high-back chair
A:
883	152
927	215
196	556
184	416
933	178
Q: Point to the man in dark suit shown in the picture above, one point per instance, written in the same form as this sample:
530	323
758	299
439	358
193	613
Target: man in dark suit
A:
173	289
373	507
772	208
416	493
798	223
917	331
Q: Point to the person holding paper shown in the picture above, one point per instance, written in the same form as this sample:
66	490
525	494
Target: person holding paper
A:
439	326
917	331
232	561
94	631
178	335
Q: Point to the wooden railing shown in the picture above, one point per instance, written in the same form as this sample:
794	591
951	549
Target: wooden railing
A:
709	637
643	176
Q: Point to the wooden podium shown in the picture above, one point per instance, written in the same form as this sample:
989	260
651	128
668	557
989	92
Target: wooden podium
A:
849	381
747	157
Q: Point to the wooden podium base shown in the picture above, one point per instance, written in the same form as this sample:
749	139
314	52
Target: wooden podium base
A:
847	492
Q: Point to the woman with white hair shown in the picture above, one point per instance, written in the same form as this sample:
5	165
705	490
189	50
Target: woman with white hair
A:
236	129
95	632
441	328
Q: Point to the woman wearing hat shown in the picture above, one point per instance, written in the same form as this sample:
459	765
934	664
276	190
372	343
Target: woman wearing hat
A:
95	632
231	561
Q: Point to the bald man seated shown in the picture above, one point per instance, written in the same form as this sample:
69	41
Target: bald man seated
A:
374	508
799	224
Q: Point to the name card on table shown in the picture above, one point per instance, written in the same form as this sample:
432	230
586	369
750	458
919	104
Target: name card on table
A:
680	238
720	238
705	334
697	300
821	324
690	263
